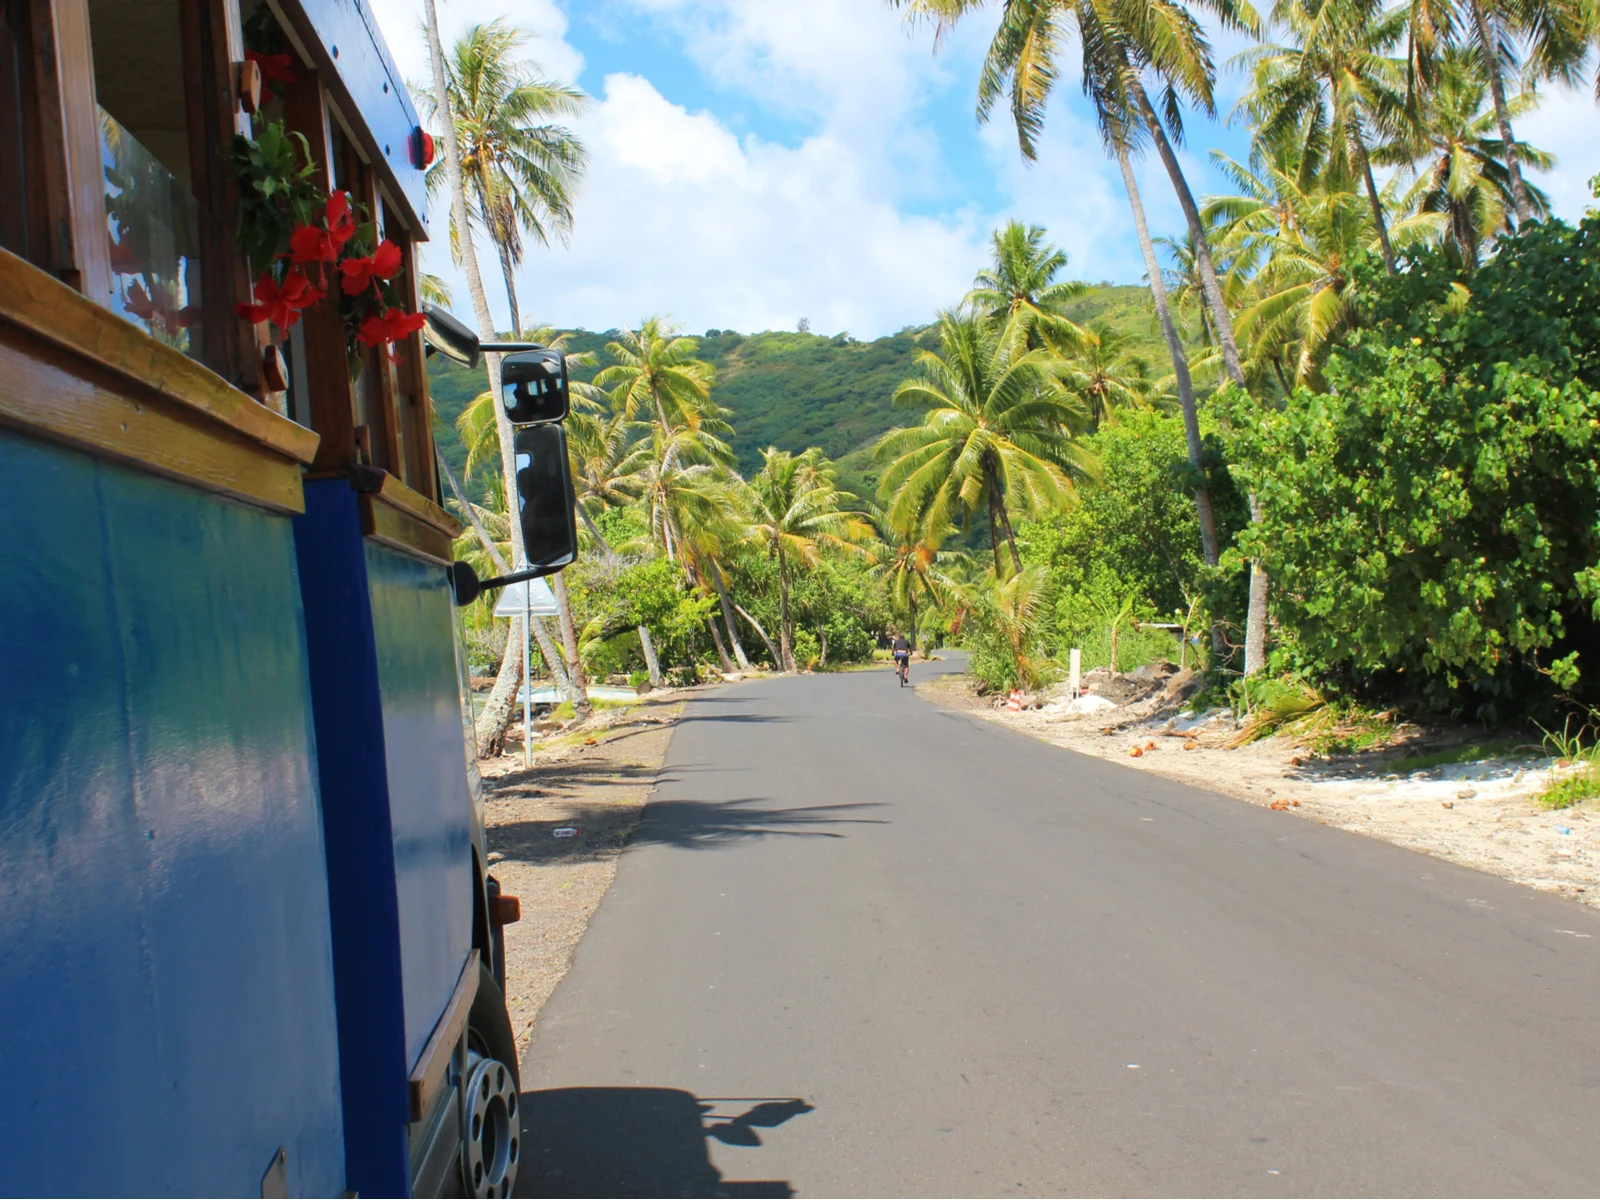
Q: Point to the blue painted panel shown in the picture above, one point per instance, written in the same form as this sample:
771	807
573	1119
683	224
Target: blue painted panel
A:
360	845
430	802
166	987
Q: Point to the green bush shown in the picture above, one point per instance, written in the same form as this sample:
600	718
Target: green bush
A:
1432	523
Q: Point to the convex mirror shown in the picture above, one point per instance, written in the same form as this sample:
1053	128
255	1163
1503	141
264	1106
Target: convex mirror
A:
449	336
533	386
545	499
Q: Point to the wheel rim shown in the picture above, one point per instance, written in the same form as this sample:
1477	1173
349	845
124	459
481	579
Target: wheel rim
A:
491	1140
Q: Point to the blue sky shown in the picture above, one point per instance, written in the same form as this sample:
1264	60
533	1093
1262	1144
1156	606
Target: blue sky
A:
754	162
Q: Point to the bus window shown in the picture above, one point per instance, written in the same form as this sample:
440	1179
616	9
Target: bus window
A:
152	216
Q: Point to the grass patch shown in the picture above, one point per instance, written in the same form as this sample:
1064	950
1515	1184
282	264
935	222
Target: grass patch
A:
1574	789
1573	749
1472	752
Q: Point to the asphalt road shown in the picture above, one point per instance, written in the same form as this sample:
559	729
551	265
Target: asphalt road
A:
863	946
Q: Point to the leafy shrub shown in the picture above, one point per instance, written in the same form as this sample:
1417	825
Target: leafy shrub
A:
1433	523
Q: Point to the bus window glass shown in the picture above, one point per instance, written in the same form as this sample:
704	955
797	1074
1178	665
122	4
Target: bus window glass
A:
151	214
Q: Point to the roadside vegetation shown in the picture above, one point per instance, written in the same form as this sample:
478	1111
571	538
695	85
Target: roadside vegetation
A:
1339	458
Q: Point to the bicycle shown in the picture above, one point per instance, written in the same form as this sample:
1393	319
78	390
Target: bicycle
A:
902	668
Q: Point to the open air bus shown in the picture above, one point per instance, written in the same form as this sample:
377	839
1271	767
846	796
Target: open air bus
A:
248	939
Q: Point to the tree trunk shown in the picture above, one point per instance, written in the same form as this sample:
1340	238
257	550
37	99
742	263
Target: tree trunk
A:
1373	198
1180	362
999	501
651	662
721	586
722	650
756	625
1255	629
509	270
469	262
911	601
822	643
501	707
785	631
569	636
599	539
1502	116
1255	626
994	534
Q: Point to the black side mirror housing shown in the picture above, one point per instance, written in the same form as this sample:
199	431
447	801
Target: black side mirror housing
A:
546	502
449	336
533	387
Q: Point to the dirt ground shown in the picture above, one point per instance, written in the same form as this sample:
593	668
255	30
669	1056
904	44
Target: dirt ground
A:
1479	814
597	792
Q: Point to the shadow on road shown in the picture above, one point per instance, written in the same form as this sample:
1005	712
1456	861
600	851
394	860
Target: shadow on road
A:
641	1141
701	824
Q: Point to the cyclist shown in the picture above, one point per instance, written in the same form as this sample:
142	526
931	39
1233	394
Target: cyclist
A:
902	658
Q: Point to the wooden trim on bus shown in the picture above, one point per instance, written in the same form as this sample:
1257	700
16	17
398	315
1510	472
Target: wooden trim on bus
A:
403	519
47	308
75	373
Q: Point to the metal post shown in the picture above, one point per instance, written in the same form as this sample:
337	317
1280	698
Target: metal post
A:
1074	664
527	675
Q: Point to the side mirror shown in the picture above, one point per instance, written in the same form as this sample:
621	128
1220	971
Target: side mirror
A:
545	499
449	336
533	387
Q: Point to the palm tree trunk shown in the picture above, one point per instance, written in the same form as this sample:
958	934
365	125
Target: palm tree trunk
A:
911	601
469	258
785	630
777	659
651	662
1180	364
581	707
994	534
594	532
508	269
1502	116
722	650
1197	231
1255	637
489	733
998	500
1378	218
721	586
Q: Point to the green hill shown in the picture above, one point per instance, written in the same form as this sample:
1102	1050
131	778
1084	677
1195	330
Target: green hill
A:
794	390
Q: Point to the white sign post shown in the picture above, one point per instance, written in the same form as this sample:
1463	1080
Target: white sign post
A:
1074	664
523	601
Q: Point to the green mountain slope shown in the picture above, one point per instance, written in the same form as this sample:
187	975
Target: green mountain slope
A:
794	390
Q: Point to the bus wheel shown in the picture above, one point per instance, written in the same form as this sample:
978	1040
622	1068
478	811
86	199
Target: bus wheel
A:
491	1139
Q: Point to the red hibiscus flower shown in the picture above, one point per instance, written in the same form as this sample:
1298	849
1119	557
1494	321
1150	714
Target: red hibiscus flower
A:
391	327
275	68
282	303
312	244
383	263
341	221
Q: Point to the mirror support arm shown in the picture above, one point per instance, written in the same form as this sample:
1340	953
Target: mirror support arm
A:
468	587
508	347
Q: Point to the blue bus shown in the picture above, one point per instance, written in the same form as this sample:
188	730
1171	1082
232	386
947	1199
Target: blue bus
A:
249	944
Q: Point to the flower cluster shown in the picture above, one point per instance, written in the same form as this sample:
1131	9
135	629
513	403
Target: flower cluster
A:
336	246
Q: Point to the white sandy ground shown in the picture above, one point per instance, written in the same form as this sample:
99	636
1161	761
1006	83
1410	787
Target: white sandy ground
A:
1479	814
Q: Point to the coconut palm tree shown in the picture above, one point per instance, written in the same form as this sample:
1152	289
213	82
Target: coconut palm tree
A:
1021	283
1121	40
1538	39
1459	163
1100	365
521	169
795	511
1306	243
466	255
999	431
1336	85
655	369
912	567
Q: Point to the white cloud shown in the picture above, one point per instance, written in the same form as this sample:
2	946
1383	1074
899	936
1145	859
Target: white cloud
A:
679	216
1567	124
401	22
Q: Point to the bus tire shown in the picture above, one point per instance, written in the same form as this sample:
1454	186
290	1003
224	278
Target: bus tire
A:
492	1137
